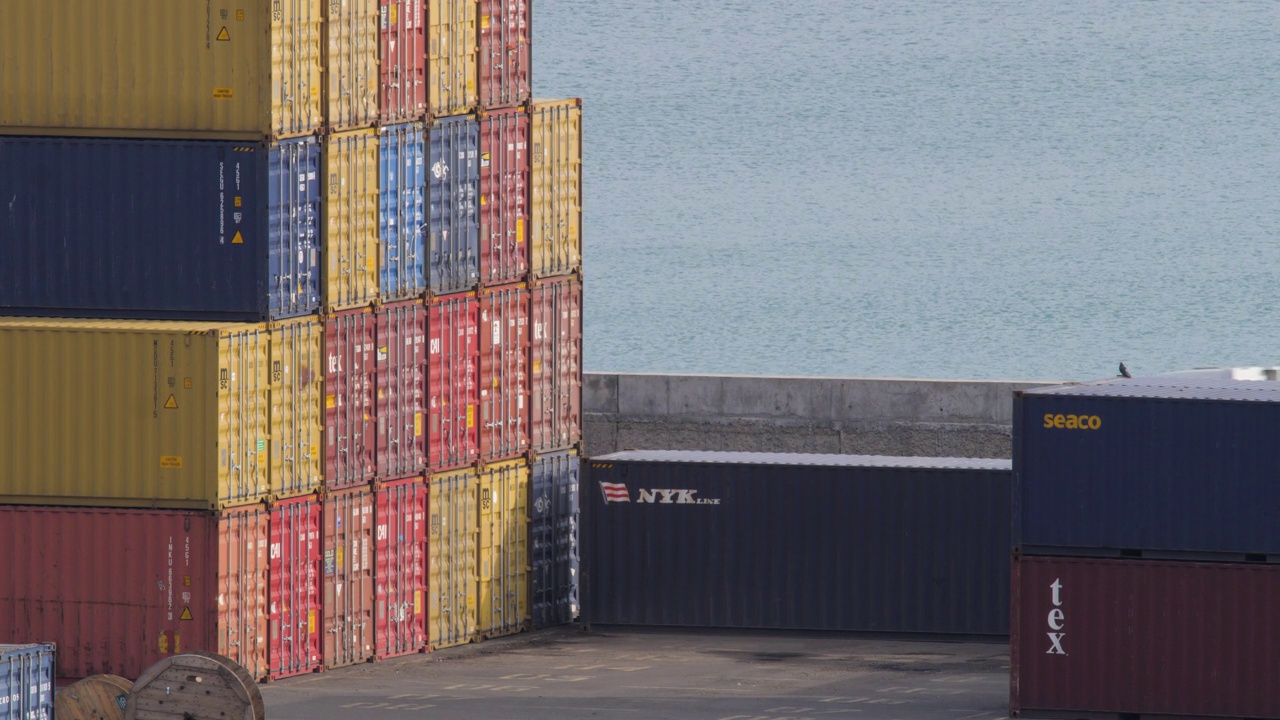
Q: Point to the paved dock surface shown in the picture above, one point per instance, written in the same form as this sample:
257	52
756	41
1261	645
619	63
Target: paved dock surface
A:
565	674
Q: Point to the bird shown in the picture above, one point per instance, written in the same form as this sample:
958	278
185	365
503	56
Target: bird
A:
1124	371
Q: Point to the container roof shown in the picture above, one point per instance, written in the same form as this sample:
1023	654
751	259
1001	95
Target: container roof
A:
815	459
1174	386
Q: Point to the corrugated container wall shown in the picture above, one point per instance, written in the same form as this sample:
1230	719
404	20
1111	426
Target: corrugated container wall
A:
503	595
213	69
297	417
400	570
453	381
160	414
504	379
347	560
27	681
350	384
451	57
211	230
505	56
799	542
553	539
452	580
504	196
555	240
352	40
453	216
1163	466
555	402
404	60
402	212
293	634
351	220
401	361
1143	638
178	581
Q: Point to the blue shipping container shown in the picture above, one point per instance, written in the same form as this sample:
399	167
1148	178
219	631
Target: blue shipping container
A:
26	682
159	228
402	211
553	539
453	179
798	542
1174	467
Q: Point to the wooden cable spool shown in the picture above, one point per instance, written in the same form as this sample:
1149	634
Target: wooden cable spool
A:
195	686
97	697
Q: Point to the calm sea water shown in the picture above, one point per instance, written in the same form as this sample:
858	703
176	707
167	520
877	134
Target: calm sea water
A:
985	189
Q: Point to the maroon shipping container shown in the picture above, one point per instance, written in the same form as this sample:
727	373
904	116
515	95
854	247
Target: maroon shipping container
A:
400	567
400	380
293	635
504	57
504	197
555	398
403	60
453	381
348	399
504	381
1144	637
347	568
119	590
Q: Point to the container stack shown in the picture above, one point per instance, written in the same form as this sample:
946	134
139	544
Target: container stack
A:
270	343
1145	549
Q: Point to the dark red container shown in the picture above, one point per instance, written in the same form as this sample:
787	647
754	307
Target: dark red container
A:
400	359
504	58
348	399
555	351
400	567
504	379
1144	637
504	197
403	26
293	632
347	577
453	377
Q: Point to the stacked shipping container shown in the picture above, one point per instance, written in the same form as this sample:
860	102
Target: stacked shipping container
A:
310	383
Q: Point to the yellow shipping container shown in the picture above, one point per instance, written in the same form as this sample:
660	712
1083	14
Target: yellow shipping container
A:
231	70
297	412
351	63
351	220
555	242
452	44
504	548
451	549
133	414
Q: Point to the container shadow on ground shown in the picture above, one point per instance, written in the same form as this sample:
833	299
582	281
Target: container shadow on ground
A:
729	675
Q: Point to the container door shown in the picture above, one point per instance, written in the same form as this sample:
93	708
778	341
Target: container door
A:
293	228
556	188
351	45
453	381
553	537
451	57
504	388
556	365
348	578
451	547
242	590
402	213
504	187
348	399
244	419
297	390
296	66
401	383
504	57
404	60
503	545
453	184
400	573
350	239
294	619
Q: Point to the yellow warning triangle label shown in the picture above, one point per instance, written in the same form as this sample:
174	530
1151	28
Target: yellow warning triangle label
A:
238	239
186	614
171	403
222	35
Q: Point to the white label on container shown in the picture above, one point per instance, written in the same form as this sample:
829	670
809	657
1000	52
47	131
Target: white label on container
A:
497	332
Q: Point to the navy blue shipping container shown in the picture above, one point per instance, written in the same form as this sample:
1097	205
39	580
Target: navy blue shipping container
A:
1174	466
453	218
800	542
553	539
402	216
27	673
157	229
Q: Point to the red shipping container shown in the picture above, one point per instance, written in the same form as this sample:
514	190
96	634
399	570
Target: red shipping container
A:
504	197
1144	637
348	399
453	381
347	569
400	380
119	590
403	60
400	567
293	636
504	56
555	398
504	382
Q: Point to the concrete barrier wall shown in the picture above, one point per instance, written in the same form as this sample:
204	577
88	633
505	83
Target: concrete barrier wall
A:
876	416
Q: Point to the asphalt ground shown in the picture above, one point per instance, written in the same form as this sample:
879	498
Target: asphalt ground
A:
566	674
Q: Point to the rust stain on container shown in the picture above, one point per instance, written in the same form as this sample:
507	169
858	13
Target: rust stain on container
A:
347	577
